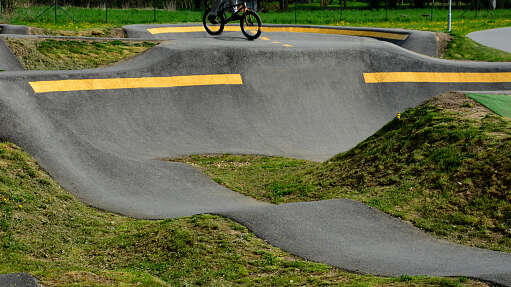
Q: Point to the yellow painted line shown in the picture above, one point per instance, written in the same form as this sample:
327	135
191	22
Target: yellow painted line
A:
375	34
275	42
134	83
188	29
287	45
432	77
265	38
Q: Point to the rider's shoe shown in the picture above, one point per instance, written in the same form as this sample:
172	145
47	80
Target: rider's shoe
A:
212	19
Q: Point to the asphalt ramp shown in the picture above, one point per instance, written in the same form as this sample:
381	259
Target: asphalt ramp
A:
101	134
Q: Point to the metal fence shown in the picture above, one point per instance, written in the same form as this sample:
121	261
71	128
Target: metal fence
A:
340	12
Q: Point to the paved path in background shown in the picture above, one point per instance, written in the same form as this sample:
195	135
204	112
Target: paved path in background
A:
499	38
8	62
100	134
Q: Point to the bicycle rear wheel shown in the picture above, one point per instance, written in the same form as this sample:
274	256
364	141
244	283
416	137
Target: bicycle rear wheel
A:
251	25
213	28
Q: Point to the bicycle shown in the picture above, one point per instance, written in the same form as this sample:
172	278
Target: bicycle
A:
250	22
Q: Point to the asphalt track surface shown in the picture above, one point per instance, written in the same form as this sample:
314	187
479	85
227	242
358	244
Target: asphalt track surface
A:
18	280
499	38
100	133
9	62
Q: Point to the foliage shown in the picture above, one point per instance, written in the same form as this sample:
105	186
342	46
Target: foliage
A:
49	54
463	48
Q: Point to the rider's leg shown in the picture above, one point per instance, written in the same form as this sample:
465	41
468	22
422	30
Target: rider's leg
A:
215	6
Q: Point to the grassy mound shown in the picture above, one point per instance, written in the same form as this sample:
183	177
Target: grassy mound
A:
47	232
445	166
50	54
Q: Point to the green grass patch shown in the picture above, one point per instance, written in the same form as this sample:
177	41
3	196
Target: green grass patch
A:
445	166
500	104
464	21
47	232
464	48
50	54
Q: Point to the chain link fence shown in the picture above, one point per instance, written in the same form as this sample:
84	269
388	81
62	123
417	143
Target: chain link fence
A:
338	12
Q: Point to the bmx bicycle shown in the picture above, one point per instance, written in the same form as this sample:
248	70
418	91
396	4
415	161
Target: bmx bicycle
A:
250	22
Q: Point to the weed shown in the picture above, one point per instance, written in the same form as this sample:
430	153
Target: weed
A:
37	54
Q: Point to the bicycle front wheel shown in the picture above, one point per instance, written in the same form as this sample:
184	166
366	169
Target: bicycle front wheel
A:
251	25
214	25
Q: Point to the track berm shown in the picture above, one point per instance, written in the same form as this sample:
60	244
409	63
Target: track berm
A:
309	100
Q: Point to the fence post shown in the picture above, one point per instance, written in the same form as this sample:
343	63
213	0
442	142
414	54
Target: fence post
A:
432	6
386	11
340	10
450	16
154	9
296	4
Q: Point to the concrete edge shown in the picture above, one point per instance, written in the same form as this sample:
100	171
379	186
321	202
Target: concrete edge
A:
18	280
8	61
23	36
14	29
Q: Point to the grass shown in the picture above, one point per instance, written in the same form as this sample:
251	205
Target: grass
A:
444	166
49	54
463	48
500	104
464	21
47	232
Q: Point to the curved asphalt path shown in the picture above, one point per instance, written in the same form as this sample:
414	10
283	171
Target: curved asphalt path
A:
308	99
499	38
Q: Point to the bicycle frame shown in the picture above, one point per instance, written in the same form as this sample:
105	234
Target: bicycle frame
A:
236	16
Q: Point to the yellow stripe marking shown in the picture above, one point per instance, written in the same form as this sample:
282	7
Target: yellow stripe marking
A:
287	45
265	38
427	77
134	83
376	34
164	30
275	42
